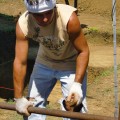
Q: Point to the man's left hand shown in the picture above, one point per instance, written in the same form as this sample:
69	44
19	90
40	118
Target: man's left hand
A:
75	95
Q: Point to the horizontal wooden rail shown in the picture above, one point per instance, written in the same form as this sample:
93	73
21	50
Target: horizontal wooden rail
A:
58	113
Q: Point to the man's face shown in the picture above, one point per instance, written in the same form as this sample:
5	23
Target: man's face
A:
45	18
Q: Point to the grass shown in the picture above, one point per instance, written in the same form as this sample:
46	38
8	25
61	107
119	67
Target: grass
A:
93	29
104	74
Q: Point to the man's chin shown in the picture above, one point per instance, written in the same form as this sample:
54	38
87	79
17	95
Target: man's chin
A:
44	24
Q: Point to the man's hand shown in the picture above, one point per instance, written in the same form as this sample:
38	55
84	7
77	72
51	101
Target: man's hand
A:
75	96
21	106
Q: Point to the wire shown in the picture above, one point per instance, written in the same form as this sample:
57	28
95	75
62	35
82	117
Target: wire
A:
6	62
6	88
2	87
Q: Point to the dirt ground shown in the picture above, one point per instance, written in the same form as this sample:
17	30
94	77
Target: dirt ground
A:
96	21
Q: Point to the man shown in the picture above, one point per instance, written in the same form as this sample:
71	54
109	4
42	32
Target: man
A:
63	55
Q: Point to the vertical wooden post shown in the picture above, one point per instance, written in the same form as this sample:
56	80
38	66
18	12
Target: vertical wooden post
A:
75	3
67	2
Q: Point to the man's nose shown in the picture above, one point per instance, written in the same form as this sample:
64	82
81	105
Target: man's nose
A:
45	19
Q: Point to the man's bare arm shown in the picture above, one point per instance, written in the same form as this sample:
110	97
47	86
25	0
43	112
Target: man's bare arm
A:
78	39
20	62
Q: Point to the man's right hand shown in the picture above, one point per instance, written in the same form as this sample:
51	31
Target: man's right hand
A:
22	105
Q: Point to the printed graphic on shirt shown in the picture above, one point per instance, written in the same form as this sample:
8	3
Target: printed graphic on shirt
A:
51	42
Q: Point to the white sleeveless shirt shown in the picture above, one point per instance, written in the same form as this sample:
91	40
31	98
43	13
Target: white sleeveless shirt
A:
55	49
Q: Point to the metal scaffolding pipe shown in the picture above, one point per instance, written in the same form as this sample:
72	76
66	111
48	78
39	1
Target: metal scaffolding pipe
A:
116	113
58	113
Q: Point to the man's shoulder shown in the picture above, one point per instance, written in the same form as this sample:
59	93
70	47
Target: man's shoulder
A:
24	14
24	18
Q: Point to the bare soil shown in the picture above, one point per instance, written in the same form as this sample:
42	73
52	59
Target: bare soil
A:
96	21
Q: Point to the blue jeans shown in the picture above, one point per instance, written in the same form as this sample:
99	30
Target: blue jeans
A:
42	81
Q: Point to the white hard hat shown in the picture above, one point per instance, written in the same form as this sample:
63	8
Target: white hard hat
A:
38	6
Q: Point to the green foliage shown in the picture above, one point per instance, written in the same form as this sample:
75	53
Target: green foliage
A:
6	17
10	101
106	73
93	29
8	24
7	29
